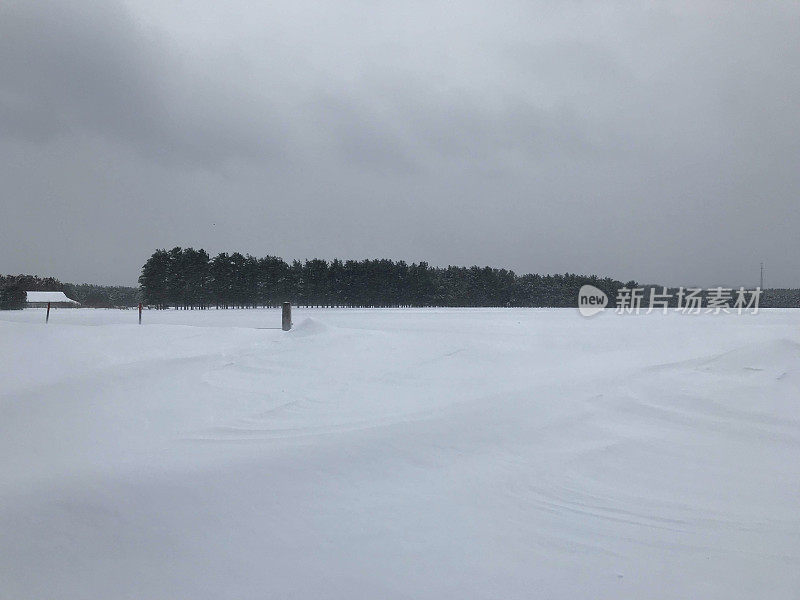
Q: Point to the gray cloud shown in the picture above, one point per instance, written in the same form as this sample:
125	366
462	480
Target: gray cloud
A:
658	143
90	68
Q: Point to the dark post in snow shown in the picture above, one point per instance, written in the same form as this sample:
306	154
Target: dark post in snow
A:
47	316
140	313
286	321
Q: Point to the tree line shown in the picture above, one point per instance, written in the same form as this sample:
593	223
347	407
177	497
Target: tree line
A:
13	288
190	279
187	278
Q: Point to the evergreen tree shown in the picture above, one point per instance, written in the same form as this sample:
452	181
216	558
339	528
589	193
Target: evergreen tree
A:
154	278
12	297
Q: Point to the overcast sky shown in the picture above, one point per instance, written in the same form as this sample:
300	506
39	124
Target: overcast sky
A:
658	142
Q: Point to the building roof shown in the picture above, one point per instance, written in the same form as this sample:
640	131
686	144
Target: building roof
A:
49	297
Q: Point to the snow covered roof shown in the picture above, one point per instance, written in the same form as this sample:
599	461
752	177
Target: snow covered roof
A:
49	297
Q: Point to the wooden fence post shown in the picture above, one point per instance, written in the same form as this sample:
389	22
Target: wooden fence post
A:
140	313
47	317
286	317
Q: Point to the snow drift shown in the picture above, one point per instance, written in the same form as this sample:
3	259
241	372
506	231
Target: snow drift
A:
394	454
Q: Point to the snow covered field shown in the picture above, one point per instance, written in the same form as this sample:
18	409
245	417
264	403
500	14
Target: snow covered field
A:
435	453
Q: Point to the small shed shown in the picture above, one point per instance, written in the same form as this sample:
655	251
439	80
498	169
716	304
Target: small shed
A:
56	299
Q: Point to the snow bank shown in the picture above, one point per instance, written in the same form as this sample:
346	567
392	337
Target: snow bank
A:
309	326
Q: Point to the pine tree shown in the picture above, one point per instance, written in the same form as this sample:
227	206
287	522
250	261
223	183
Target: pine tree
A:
154	278
12	297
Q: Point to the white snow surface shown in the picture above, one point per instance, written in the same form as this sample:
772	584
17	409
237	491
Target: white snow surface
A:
48	297
430	453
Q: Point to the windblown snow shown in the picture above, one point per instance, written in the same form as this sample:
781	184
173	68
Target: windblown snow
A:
431	453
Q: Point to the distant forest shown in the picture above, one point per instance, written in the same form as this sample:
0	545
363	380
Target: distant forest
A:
188	278
13	288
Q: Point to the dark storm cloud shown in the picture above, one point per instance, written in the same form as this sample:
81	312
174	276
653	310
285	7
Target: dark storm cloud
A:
72	68
658	142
